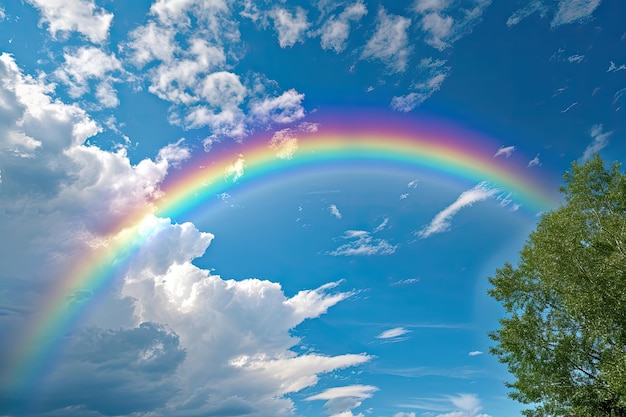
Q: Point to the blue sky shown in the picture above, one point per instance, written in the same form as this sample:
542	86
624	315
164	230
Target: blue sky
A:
347	290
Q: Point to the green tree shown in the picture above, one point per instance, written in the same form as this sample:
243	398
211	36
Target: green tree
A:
563	336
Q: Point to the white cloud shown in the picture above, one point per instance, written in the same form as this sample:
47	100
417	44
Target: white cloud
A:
422	6
407	281
436	73
617	99
363	244
520	14
615	68
356	391
381	226
403	414
285	141
88	63
570	11
441	28
534	162
151	43
390	41
285	108
567	11
81	16
599	141
505	151
334	211
236	169
392	333
404	196
291	28
341	400
236	333
335	31
192	67
568	108
576	58
475	353
460	405
441	222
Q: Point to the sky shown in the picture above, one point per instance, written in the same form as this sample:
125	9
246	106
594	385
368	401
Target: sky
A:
282	208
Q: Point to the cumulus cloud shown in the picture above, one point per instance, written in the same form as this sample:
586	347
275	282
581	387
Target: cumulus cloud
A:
192	67
390	41
393	333
505	151
285	108
88	63
363	244
441	222
335	31
82	16
236	334
599	141
116	372
291	27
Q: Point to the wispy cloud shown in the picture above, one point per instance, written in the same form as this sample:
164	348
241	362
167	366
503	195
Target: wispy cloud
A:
475	353
381	226
435	72
334	211
520	14
534	162
567	11
505	151
441	26
363	244
615	68
599	141
575	59
568	108
570	11
441	222
460	405
407	281
341	400
617	99
393	333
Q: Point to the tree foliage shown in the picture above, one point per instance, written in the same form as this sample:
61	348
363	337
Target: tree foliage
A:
563	336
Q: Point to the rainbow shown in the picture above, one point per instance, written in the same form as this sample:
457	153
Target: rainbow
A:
369	141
